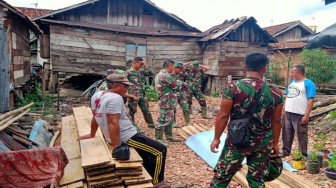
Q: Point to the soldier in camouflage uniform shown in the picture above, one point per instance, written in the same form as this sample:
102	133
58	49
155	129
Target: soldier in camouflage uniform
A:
137	76
166	87
182	94
265	128
193	78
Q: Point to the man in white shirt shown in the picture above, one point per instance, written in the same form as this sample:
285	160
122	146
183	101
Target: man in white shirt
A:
299	103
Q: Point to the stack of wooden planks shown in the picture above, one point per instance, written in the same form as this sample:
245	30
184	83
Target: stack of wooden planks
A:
100	169
286	179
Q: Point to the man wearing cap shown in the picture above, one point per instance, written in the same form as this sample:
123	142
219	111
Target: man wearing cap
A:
193	78
109	113
265	126
166	87
137	75
182	94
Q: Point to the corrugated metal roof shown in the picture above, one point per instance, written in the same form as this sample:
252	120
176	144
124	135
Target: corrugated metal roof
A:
282	45
281	28
125	29
228	26
33	12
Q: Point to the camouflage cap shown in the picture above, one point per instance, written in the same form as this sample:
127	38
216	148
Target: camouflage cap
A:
274	168
195	64
118	71
179	64
118	78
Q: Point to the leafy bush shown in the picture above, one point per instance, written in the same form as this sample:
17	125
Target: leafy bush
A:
274	73
331	165
151	93
319	66
313	156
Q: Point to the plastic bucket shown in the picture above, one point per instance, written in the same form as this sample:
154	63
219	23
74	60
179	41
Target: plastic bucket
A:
299	165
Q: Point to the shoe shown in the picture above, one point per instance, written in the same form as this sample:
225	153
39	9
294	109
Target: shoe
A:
187	118
174	123
283	153
168	130
159	137
204	113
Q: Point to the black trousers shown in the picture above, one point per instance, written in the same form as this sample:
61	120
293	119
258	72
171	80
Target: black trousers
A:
152	153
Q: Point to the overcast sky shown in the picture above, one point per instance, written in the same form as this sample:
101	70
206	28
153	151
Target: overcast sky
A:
205	14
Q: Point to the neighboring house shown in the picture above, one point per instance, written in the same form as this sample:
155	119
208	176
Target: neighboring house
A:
292	38
225	47
35	41
90	37
15	52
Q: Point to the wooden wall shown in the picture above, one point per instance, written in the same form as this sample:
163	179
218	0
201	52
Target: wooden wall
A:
121	12
227	58
20	51
292	34
160	49
92	52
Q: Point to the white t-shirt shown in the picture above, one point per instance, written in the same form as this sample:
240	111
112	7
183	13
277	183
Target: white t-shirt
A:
298	94
103	103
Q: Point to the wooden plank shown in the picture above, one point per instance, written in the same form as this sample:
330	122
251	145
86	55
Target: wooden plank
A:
187	131
73	172
201	129
182	133
105	183
103	177
130	165
134	157
79	184
322	110
69	139
124	178
299	179
193	129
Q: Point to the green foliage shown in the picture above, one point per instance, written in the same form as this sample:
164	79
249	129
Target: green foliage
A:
332	115
35	96
297	155
331	165
215	94
313	156
151	93
274	73
319	66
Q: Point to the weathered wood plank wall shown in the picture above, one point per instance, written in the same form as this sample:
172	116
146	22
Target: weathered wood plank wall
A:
121	12
20	52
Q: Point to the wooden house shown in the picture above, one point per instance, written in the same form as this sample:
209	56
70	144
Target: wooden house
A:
292	39
90	37
15	52
225	47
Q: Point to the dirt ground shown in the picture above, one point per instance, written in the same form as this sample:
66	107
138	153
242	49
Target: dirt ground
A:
185	168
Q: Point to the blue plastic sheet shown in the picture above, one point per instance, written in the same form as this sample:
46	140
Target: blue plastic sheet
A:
200	144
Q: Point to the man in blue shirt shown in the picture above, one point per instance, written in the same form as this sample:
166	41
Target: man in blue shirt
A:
299	103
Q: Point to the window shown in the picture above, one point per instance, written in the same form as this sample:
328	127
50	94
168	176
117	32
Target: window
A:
134	50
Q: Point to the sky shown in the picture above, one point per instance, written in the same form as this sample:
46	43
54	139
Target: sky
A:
205	14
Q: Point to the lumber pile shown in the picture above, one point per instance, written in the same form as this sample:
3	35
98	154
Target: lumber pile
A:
322	110
286	179
100	169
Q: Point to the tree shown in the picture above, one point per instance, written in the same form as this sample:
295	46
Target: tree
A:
319	66
274	73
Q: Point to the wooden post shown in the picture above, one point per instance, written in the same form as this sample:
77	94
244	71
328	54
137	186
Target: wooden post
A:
58	94
43	83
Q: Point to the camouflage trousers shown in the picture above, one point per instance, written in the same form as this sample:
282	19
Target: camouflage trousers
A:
143	104
197	93
230	162
182	101
166	118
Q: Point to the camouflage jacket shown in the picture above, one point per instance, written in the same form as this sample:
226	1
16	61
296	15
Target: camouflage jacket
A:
138	78
184	91
166	87
193	78
242	96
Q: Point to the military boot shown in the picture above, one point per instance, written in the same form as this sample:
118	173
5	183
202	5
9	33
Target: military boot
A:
204	113
169	134
149	121
191	116
174	123
187	118
159	137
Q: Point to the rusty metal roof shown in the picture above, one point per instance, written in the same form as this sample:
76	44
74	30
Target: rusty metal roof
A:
228	26
33	12
125	29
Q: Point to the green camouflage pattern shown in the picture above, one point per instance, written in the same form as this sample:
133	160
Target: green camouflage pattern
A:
166	118
193	79
183	93
261	138
138	78
230	162
167	87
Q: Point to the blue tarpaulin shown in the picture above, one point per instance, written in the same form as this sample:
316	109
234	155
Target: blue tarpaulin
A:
200	144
